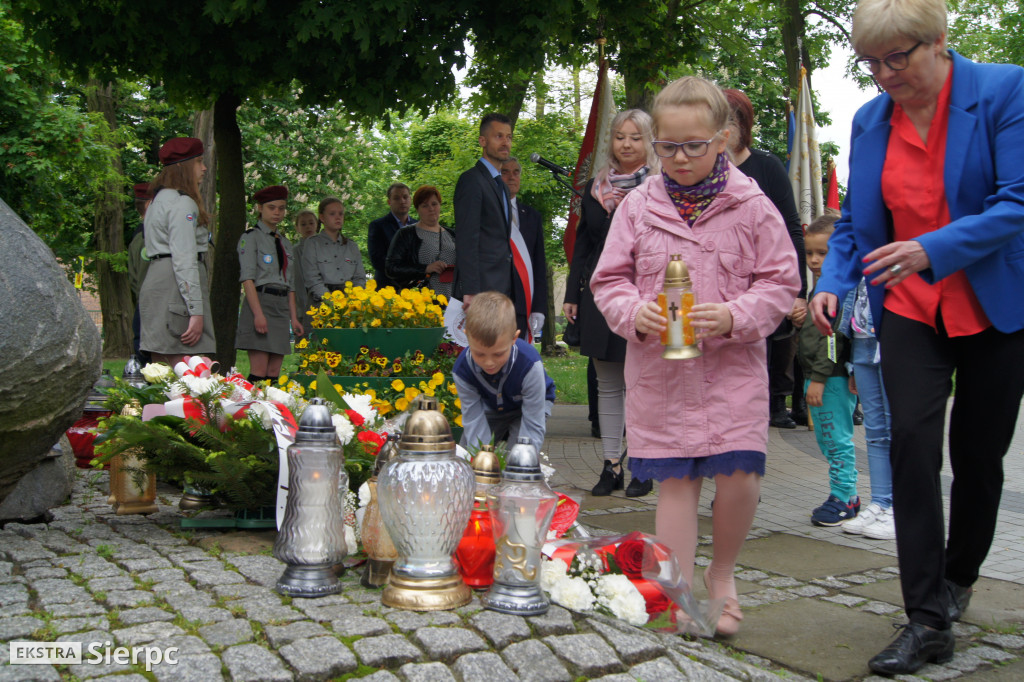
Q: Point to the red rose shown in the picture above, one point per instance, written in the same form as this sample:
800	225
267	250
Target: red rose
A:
630	555
354	417
656	600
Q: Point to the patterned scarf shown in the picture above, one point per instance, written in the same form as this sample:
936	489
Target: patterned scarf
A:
692	200
610	189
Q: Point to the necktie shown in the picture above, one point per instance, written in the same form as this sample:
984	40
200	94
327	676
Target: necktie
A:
502	189
282	256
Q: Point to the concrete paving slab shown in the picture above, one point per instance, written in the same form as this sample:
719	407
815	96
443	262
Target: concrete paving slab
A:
881	590
804	558
814	637
995	602
1010	672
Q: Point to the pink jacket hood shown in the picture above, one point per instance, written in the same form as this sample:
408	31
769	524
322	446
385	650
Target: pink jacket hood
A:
738	253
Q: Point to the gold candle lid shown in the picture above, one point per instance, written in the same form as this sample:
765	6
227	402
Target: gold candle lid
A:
427	430
486	470
676	274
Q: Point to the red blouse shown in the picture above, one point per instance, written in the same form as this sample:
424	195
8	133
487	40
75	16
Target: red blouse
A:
915	193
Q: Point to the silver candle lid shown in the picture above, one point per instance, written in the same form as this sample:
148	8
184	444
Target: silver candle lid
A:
522	463
315	424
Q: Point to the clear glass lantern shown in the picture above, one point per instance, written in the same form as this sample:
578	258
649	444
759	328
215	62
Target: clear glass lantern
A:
426	496
521	508
312	536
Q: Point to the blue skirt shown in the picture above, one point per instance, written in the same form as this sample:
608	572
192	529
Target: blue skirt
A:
727	463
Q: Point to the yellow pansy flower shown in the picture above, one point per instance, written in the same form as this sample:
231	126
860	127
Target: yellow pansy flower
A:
398	385
437	379
401	404
411	393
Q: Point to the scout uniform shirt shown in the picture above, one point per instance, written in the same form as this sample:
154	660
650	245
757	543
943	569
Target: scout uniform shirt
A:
258	259
172	231
328	264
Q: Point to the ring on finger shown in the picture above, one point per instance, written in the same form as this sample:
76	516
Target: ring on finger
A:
896	269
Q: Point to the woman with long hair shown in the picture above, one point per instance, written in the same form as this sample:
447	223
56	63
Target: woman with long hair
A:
631	159
174	301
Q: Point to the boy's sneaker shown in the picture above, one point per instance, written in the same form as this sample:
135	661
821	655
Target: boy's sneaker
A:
883	528
835	511
857	524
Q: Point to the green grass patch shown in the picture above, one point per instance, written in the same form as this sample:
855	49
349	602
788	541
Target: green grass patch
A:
569	372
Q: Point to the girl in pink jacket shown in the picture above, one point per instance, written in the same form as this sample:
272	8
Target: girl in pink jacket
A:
705	417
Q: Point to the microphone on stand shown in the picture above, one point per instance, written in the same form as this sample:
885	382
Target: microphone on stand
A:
550	165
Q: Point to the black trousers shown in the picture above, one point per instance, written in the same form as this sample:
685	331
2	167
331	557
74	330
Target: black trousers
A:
780	365
918	363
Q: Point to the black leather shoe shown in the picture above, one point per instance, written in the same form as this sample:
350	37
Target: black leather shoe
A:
858	416
778	415
959	598
912	648
639	489
799	412
610	480
595	429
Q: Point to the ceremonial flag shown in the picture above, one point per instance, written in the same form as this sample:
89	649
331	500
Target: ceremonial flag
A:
790	134
805	161
832	201
594	149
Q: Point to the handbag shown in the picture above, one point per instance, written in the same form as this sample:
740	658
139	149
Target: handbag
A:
571	334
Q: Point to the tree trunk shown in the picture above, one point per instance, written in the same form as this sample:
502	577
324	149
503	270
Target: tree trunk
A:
224	286
515	95
540	89
792	34
202	127
577	96
108	229
638	96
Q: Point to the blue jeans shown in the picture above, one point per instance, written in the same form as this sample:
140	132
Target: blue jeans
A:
833	429
877	422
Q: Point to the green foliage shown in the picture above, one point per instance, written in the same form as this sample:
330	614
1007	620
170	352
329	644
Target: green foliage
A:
53	155
988	31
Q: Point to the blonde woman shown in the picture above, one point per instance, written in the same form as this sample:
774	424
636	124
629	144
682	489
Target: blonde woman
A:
630	160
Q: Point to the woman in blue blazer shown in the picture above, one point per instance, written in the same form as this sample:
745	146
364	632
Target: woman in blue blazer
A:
934	217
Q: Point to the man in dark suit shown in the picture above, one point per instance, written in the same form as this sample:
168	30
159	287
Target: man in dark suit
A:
483	217
529	264
382	230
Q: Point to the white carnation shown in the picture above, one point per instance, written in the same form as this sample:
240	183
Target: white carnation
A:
551	572
619	595
156	372
573	593
361	404
279	396
344	428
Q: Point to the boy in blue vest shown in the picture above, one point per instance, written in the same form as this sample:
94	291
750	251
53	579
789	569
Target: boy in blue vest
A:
504	390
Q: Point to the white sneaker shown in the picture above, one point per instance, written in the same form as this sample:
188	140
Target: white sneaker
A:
865	518
884	527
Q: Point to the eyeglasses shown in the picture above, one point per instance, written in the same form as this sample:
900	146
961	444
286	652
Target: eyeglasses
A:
693	149
896	61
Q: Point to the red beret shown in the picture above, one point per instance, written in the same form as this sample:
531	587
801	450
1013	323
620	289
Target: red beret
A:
272	193
180	149
142	190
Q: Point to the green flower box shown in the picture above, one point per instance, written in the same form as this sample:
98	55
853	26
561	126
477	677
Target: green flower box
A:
390	342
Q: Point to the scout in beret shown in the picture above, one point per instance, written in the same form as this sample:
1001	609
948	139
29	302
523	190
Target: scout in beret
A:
174	297
329	259
267	273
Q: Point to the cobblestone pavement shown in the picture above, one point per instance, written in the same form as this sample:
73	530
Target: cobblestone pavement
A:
817	605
